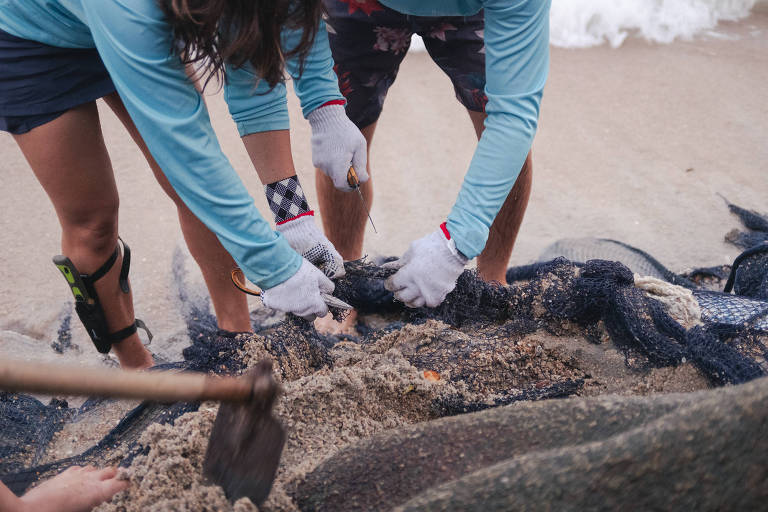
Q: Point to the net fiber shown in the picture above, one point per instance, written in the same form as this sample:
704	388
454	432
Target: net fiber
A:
482	324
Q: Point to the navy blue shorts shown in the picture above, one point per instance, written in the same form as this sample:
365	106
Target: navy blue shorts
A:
38	83
369	41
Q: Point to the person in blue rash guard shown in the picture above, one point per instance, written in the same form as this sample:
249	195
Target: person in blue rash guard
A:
58	56
368	39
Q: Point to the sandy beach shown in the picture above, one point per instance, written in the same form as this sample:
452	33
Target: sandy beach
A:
634	144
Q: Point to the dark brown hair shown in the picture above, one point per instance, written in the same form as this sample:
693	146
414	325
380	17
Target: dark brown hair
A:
210	33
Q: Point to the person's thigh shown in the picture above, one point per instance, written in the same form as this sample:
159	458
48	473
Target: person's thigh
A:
48	103
368	42
70	160
456	45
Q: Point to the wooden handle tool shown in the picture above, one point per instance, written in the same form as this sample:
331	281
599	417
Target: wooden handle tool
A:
246	441
161	386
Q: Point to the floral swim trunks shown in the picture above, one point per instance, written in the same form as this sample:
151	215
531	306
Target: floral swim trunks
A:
369	41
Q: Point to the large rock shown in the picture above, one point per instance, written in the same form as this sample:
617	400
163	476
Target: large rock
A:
700	451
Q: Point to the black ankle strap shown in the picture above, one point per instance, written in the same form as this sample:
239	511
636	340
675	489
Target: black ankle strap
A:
124	333
125	267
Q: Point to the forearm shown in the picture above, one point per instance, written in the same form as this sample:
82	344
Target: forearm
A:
270	154
500	155
517	62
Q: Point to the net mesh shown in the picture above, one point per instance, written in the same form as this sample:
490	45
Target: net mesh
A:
480	346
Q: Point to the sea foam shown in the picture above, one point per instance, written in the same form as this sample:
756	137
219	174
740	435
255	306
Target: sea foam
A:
585	23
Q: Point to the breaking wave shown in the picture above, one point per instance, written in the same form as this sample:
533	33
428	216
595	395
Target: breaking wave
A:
584	23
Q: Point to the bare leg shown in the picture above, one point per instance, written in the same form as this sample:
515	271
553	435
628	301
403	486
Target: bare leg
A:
492	262
344	217
70	160
215	263
344	220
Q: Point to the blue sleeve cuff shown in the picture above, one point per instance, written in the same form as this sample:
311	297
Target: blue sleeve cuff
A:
470	237
275	122
253	105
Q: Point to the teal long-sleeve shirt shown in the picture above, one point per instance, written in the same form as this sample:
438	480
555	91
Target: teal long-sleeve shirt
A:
135	42
516	67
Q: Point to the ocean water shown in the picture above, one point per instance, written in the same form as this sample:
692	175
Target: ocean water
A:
585	23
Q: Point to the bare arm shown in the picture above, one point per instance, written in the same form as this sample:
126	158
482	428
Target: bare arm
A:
270	154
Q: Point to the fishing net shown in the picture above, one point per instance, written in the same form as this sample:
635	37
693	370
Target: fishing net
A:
477	340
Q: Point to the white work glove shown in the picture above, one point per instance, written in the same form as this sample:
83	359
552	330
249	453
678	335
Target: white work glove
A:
428	271
301	293
337	144
303	235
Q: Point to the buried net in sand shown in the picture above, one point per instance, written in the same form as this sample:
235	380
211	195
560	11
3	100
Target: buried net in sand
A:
560	329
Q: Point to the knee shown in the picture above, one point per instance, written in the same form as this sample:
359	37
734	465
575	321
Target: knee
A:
92	231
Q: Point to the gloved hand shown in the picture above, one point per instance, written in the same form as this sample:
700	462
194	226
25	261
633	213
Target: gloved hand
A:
305	238
300	293
428	271
337	144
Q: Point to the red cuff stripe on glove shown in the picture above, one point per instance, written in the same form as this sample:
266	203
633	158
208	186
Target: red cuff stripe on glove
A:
310	212
444	227
333	102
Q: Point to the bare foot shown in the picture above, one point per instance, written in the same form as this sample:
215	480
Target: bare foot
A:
133	355
327	325
74	490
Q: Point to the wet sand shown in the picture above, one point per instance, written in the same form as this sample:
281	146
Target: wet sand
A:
634	144
377	387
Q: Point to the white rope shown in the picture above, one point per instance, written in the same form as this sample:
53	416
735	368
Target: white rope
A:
678	301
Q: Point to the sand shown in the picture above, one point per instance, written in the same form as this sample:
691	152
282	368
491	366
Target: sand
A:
335	397
168	475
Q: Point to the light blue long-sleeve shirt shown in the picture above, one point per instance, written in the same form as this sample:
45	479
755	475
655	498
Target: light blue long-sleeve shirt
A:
134	41
516	67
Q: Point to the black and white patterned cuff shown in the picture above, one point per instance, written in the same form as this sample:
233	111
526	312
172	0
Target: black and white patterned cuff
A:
286	199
